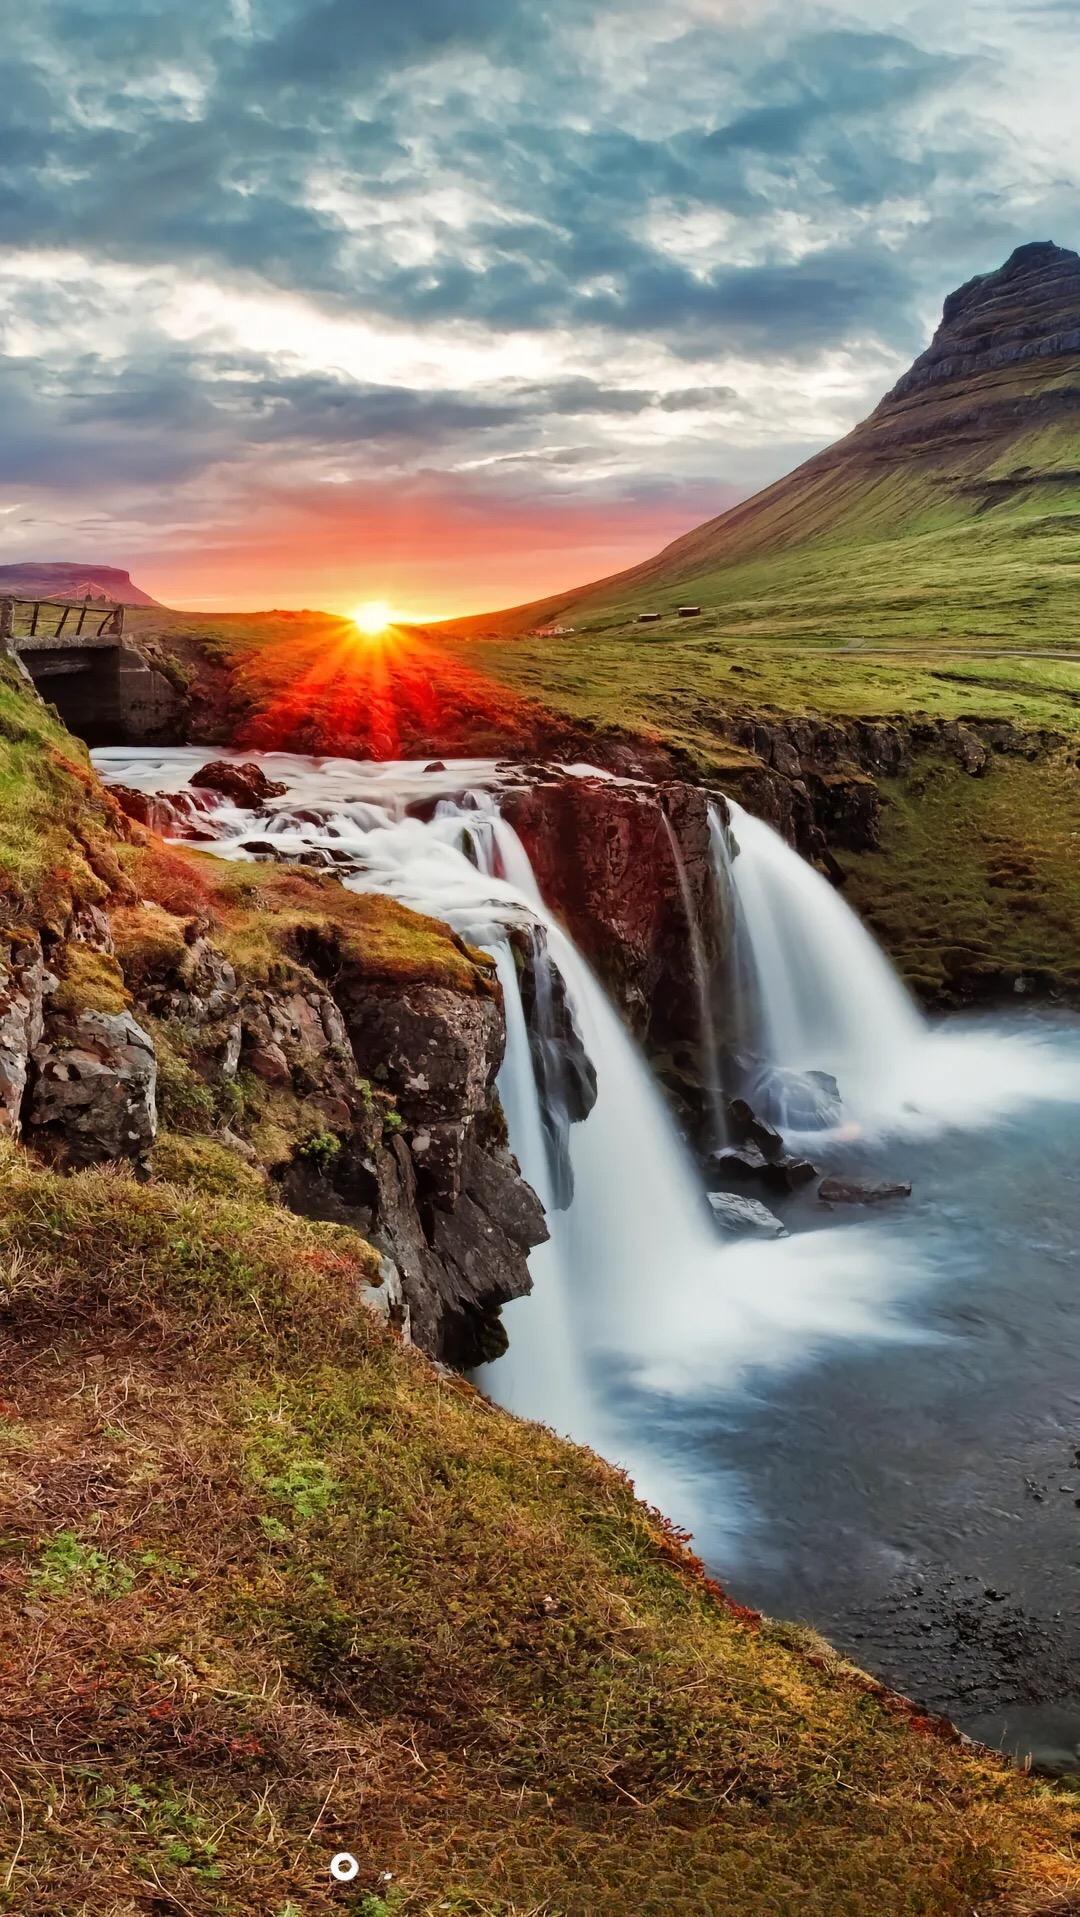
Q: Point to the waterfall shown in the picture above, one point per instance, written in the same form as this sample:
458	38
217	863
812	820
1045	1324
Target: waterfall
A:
636	1298
813	992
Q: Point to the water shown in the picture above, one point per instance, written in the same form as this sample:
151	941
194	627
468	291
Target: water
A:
841	1416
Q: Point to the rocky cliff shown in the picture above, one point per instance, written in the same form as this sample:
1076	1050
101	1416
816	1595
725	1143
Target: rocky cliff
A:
341	1051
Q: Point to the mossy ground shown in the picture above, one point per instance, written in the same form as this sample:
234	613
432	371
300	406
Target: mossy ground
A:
273	1588
57	847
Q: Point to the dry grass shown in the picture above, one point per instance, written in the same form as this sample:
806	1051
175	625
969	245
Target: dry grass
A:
273	1588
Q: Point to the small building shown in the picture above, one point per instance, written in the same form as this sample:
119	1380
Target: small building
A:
689	612
649	618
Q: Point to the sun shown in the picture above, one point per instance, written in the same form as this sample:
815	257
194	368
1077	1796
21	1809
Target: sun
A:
372	618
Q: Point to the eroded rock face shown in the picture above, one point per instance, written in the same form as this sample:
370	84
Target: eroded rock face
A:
93	1093
436	1051
22	981
386	1112
607	858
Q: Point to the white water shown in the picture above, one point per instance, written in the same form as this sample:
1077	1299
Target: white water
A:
635	1283
815	992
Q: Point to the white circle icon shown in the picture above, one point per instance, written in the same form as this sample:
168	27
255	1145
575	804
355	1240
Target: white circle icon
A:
344	1867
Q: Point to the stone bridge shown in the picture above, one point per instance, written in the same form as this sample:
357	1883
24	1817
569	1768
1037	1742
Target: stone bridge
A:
102	686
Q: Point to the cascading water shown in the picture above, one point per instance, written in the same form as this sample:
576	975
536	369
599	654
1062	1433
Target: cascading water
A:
817	992
635	1292
812	993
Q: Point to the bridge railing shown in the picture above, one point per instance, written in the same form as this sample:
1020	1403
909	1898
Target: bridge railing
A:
47	620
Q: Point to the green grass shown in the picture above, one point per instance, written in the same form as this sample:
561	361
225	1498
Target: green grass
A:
274	1588
57	844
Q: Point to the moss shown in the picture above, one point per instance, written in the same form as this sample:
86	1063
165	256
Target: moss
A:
280	923
55	848
90	981
150	944
186	1103
208	1166
369	1612
977	886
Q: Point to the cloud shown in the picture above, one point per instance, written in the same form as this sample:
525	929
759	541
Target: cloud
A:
588	246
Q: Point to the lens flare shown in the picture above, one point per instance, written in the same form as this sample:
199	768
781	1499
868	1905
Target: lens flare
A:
372	618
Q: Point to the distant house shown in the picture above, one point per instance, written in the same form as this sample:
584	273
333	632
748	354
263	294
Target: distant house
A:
689	612
648	618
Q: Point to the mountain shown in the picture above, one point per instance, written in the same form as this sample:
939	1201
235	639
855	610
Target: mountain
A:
953	509
71	579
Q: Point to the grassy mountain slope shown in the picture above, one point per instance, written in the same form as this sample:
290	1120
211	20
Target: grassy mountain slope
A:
274	1588
954	510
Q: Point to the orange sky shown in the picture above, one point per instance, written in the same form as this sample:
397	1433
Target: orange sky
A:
430	551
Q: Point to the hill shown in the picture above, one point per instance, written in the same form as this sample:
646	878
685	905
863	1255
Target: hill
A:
953	510
71	579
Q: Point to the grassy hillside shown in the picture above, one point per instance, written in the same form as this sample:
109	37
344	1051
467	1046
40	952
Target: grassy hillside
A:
273	1589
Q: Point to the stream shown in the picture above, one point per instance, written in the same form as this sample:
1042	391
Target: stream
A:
871	1424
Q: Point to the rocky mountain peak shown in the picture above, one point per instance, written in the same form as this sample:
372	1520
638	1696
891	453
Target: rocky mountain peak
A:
1025	310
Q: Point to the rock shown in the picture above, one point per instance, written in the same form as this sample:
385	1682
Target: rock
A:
246	785
605	860
22	993
747	1126
740	1217
152	809
565	1076
435	1050
93	1093
269	1063
849	1191
797	1101
386	1299
786	1173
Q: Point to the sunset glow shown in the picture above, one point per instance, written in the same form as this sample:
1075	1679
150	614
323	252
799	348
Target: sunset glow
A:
372	618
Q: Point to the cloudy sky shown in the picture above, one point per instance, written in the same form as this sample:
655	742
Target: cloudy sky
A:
454	302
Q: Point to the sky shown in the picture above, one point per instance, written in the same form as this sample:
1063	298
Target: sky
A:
454	303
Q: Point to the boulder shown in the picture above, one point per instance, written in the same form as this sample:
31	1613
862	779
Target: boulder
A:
851	1191
797	1101
93	1092
152	809
741	1217
246	785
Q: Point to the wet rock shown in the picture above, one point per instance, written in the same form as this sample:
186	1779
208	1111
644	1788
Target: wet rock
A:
795	1101
740	1217
750	1129
565	1075
851	1191
152	809
93	1092
742	1162
246	785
